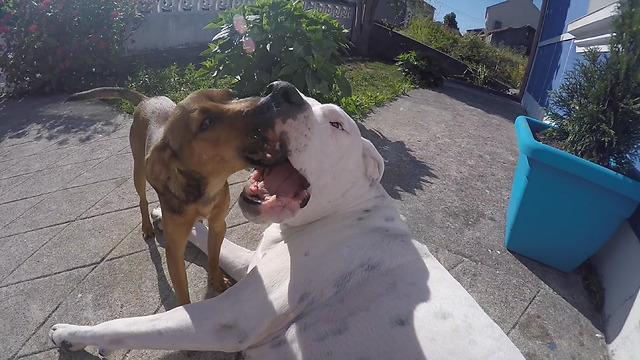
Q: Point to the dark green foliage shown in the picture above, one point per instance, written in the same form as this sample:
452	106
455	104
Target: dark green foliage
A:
278	40
421	69
597	109
62	45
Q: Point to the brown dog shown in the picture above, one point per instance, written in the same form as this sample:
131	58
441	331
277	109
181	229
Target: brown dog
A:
186	152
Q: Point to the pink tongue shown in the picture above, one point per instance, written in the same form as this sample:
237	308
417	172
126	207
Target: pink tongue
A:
284	181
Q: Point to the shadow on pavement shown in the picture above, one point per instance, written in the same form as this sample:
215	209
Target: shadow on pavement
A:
403	171
482	100
49	118
580	288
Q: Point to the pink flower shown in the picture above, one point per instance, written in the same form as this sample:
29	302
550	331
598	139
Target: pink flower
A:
248	45
33	28
3	29
115	14
93	38
101	46
59	50
47	2
239	24
59	6
7	17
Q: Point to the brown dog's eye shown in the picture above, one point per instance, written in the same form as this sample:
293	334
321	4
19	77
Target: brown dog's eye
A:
204	125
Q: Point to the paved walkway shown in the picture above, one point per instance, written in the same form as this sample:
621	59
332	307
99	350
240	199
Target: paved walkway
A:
71	248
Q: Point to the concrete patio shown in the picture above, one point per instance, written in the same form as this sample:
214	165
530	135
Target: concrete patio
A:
71	248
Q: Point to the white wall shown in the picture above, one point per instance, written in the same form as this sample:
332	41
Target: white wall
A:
598	4
618	264
512	13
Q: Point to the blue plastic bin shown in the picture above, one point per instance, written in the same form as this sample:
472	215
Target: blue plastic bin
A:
562	208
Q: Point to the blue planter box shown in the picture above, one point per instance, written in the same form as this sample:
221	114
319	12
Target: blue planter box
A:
563	208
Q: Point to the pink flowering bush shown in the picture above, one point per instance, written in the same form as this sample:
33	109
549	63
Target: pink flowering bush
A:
62	45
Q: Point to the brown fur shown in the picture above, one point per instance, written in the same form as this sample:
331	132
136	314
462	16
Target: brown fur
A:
187	164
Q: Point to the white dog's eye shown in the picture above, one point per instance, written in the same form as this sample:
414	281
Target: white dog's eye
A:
337	125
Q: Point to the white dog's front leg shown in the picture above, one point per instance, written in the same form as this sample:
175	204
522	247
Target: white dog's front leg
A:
234	259
230	322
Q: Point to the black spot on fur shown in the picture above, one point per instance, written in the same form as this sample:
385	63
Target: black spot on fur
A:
277	343
335	330
342	282
366	211
360	218
305	295
400	321
389	219
371	267
306	253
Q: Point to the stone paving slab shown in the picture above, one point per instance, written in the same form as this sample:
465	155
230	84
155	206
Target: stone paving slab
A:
25	306
81	243
71	249
16	249
47	181
61	206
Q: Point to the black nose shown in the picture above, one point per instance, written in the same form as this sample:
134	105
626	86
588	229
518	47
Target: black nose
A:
284	93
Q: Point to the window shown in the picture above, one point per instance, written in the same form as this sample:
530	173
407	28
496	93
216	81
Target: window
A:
497	25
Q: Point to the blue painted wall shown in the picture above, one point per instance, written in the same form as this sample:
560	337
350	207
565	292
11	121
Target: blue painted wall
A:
555	57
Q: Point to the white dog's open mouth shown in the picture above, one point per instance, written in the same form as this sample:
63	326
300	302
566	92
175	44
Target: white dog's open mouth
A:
276	188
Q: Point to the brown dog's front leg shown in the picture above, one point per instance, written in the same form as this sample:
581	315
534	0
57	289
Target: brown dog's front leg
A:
217	230
176	232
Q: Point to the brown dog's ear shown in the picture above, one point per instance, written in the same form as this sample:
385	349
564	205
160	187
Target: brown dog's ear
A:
175	186
160	164
220	96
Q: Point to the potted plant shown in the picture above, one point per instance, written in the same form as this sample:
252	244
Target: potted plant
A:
572	190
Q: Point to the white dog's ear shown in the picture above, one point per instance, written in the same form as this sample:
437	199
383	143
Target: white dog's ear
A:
373	161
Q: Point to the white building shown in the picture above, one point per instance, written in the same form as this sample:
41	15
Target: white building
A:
511	13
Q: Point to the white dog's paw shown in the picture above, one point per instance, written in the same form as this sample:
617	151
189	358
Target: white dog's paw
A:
62	334
156	217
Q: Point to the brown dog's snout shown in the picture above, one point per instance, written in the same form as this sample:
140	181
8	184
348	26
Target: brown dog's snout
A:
265	149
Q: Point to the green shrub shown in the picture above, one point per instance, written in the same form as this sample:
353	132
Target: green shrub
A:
65	45
495	62
596	110
278	40
420	69
502	63
433	34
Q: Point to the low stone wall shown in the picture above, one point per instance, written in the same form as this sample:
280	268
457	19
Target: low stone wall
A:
171	24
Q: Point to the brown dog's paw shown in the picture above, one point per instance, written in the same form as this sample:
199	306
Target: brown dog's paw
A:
222	284
147	231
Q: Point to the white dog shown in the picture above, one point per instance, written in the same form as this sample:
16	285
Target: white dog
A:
338	275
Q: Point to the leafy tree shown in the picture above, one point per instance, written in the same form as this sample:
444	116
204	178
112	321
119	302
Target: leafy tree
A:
597	108
450	21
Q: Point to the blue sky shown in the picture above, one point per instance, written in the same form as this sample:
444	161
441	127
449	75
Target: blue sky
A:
469	13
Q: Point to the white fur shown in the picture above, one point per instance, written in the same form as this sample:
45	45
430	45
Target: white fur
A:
342	278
